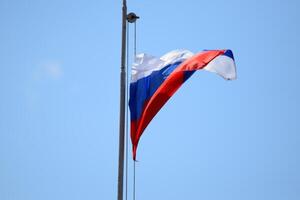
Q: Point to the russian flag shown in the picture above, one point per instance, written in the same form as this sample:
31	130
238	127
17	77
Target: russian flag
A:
154	80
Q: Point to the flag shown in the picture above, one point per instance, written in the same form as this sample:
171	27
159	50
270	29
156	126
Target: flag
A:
154	80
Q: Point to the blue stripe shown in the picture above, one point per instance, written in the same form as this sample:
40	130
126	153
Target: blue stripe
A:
188	74
143	89
229	54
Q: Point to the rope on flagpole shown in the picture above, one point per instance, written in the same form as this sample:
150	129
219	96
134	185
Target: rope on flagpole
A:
126	128
134	162
131	18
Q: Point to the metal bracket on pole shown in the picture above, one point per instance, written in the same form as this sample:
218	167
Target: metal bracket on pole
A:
132	17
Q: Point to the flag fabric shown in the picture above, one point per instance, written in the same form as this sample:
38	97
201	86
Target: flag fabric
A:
154	80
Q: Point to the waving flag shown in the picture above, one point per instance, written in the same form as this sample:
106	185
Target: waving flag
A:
154	80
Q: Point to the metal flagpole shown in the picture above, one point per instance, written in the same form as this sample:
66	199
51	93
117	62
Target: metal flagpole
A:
122	104
131	17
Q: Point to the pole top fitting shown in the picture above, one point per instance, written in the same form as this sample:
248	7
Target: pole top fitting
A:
132	17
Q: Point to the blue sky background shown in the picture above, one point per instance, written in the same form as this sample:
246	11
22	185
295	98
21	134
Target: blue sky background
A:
59	101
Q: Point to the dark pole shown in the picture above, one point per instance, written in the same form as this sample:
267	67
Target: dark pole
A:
122	104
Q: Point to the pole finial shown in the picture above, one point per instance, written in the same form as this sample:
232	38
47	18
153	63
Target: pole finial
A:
132	17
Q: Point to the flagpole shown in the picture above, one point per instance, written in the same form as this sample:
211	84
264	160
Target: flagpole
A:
122	104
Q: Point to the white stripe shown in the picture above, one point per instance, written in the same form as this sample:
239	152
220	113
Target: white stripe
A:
223	66
145	64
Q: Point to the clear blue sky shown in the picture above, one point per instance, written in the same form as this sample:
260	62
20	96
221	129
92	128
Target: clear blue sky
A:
59	103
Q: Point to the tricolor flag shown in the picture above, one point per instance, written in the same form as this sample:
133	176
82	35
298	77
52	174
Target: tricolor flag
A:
154	80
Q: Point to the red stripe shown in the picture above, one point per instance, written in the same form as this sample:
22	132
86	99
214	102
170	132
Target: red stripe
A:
199	61
166	90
